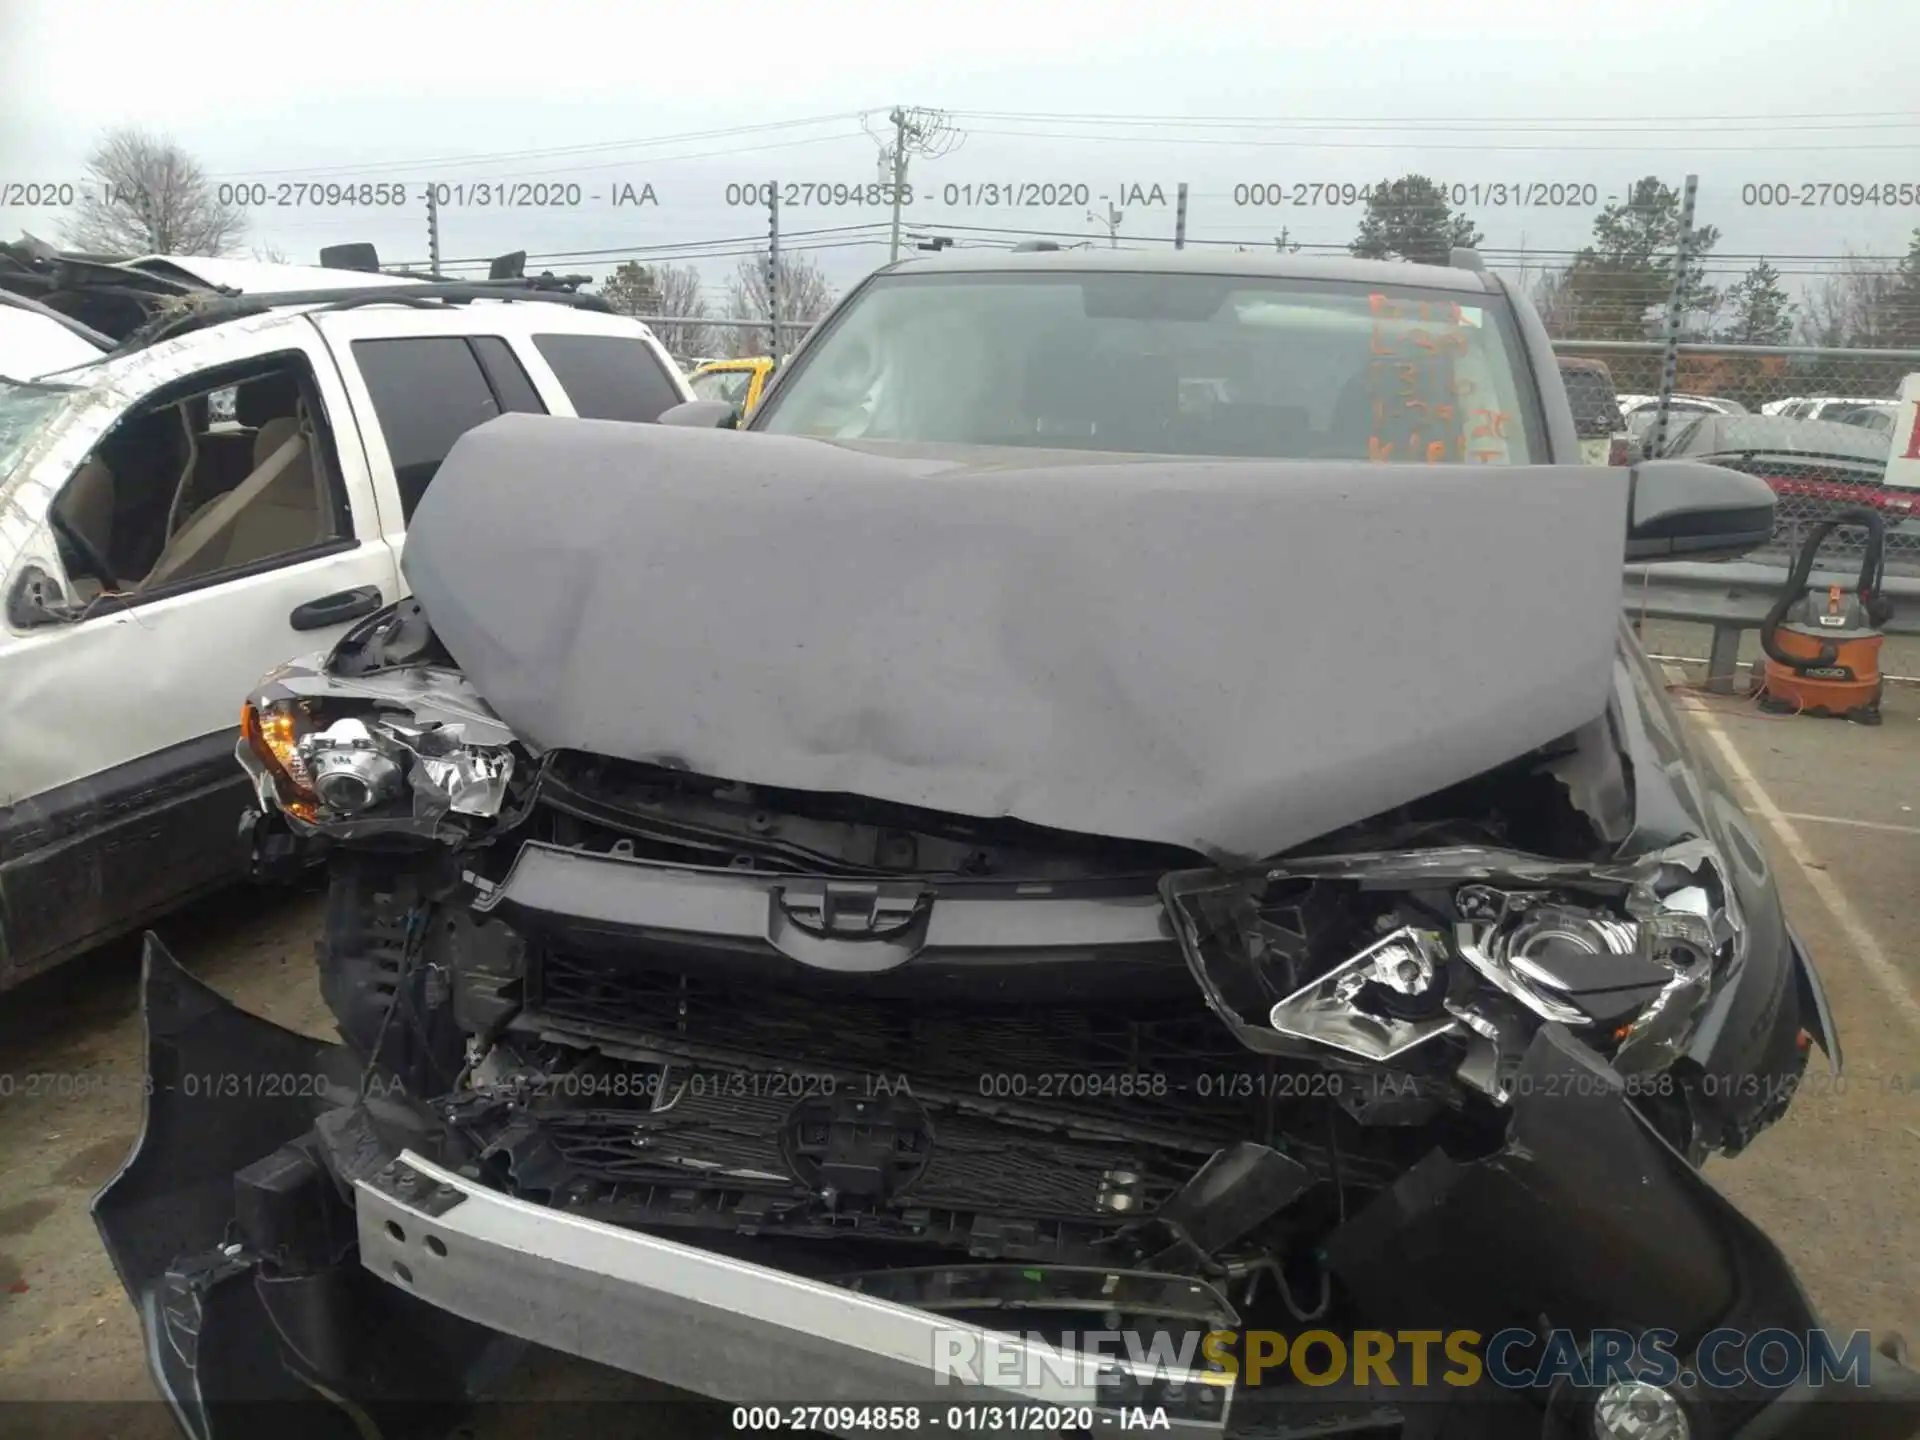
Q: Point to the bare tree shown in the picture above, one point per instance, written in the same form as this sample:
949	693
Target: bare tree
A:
1553	297
147	196
681	294
1852	306
805	294
272	254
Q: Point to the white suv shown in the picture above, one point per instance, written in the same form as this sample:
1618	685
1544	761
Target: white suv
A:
185	512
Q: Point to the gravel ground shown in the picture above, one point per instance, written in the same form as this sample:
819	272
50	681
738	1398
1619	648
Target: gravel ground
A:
1834	1182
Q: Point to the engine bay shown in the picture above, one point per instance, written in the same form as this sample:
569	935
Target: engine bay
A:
1013	1109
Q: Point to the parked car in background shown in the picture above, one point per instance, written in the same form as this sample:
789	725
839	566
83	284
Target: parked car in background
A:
1872	415
1777	437
1631	405
1818	467
1604	437
223	485
1819	407
738	382
1643	415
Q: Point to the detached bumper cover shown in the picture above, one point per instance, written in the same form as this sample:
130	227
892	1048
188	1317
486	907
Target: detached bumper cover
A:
282	1240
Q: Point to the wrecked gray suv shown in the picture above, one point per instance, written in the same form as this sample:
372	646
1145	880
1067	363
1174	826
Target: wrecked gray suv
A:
1056	830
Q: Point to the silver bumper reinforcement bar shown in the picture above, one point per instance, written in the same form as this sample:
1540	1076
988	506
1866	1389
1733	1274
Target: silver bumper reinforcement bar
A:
726	1328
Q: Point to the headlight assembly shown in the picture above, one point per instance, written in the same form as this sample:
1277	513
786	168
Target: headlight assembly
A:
318	765
351	770
1377	955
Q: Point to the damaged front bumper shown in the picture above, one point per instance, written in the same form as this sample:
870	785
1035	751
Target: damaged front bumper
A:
289	1234
721	1327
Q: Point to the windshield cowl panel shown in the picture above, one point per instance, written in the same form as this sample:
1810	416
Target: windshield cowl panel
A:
1171	364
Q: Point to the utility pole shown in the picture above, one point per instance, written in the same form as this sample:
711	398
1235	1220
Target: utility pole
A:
433	230
1180	219
773	264
1114	216
899	182
915	132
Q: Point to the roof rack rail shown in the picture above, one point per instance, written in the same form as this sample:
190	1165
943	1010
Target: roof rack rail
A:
217	308
512	266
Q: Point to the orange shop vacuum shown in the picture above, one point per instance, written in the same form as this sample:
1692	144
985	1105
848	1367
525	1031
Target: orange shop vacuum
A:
1823	651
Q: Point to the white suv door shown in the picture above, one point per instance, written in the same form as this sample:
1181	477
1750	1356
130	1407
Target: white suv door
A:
254	542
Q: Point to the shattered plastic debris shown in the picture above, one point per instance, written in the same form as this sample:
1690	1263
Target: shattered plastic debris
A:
449	776
470	783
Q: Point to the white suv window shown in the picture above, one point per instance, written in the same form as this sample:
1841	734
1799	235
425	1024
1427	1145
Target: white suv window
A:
609	377
428	391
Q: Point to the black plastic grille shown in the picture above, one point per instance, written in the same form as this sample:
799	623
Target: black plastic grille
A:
1149	1063
975	1162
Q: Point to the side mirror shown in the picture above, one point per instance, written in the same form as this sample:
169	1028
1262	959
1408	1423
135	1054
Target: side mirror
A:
702	415
34	599
1687	510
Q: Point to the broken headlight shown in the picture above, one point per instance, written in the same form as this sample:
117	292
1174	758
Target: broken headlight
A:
1375	955
318	767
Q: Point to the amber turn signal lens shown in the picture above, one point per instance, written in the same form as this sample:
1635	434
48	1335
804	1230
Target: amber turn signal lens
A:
271	735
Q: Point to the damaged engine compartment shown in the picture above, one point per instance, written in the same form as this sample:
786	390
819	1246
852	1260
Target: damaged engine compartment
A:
854	1040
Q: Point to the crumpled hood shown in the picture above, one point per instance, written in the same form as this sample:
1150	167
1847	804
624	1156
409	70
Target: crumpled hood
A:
1235	656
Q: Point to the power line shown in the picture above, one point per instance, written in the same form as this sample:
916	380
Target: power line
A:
637	250
1416	144
1907	117
597	147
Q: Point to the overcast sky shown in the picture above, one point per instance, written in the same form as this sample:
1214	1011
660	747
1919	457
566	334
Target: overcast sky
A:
1472	92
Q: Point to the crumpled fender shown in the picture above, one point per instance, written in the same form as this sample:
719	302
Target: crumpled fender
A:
235	1240
1588	1220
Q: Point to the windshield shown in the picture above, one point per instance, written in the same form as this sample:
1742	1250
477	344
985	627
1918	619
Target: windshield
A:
1169	364
1596	413
728	385
25	409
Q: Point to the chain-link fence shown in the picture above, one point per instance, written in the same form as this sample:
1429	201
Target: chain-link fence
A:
1818	425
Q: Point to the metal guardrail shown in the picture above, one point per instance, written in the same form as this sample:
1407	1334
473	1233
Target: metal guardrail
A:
1735	595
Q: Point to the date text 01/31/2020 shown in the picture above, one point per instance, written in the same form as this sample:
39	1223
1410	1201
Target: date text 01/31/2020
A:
1525	194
